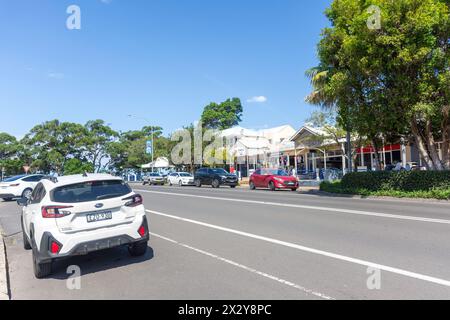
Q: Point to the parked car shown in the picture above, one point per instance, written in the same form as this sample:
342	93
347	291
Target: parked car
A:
154	179
19	186
273	179
181	179
76	215
215	178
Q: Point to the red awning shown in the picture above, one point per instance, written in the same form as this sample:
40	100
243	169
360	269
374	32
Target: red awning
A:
388	148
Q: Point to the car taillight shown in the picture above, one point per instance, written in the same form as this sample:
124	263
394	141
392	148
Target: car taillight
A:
55	211
55	247
142	231
134	200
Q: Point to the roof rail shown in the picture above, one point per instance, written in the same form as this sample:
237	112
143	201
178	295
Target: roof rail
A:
52	179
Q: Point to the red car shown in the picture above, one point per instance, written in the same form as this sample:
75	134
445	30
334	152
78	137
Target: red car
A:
273	179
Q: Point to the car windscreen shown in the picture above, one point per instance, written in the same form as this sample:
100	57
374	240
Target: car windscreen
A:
275	172
219	171
14	178
90	191
185	175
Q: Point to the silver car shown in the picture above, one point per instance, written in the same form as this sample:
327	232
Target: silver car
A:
154	179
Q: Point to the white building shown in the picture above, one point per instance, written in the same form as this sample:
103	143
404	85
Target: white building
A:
256	148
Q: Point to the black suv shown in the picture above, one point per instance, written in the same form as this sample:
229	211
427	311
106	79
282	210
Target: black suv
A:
215	178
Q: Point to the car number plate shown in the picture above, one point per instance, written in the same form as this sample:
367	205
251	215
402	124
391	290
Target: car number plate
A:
99	216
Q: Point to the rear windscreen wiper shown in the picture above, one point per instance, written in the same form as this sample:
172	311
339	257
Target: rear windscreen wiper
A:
107	196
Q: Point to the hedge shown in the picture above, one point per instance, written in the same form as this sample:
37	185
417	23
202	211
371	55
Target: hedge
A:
408	181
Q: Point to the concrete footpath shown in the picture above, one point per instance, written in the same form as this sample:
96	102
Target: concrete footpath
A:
3	275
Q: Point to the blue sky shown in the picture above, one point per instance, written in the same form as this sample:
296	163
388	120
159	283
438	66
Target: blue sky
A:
163	60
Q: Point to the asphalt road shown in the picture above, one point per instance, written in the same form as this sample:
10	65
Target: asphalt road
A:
241	244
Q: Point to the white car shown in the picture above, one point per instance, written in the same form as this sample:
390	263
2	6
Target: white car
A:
153	179
76	215
19	186
181	179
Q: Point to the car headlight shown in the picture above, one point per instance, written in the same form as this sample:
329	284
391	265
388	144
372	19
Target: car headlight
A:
278	180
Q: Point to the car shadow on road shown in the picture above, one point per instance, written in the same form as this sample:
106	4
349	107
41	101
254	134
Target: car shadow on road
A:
98	261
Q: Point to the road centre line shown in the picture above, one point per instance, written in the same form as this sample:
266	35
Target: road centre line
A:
316	208
241	266
368	264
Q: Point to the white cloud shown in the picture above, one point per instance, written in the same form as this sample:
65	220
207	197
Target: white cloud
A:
55	75
257	99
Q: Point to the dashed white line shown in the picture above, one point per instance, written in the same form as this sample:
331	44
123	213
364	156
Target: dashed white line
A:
316	208
241	266
402	272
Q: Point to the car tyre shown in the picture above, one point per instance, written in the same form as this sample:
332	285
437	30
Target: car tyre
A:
180	183
252	185
27	193
294	189
216	184
7	199
41	270
26	243
233	187
272	186
198	183
138	249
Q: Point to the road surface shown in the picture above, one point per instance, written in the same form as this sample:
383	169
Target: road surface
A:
241	244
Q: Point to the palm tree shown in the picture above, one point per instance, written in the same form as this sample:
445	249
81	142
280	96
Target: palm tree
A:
320	95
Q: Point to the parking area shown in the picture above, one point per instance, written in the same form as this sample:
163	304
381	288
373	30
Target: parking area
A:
240	244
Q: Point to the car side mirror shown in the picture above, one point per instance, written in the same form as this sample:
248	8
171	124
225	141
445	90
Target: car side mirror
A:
23	202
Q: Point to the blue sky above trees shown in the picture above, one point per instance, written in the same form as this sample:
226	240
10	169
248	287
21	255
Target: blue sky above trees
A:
164	60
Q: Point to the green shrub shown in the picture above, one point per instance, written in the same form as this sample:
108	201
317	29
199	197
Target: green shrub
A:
401	181
441	193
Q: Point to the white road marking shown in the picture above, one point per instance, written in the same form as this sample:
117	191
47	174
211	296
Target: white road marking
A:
402	272
325	209
241	266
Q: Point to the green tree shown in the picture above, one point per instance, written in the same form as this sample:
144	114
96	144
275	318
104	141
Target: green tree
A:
222	116
76	166
129	151
390	82
10	150
96	143
332	133
51	144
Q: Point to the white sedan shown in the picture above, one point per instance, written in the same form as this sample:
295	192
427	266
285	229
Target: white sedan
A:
180	179
19	186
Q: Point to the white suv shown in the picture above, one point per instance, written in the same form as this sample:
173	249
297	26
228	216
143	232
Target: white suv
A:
76	215
19	186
